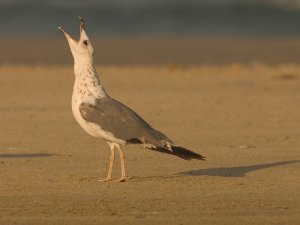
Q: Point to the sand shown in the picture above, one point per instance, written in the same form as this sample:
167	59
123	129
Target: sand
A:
244	119
152	51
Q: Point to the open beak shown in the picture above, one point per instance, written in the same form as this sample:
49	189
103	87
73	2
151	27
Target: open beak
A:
81	25
65	33
81	30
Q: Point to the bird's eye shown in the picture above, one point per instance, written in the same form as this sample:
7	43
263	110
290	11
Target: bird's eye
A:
85	42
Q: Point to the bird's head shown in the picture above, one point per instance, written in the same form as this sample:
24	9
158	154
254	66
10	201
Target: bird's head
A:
82	50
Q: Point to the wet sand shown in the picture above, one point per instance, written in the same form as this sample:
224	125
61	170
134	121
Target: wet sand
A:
244	119
152	51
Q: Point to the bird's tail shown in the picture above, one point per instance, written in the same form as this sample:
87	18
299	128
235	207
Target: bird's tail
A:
186	153
180	152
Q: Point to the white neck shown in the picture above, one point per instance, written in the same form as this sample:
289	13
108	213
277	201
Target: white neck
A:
87	80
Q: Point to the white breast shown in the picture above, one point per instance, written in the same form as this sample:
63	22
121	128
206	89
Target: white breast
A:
76	101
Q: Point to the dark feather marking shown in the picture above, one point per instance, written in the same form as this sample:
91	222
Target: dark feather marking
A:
134	141
180	152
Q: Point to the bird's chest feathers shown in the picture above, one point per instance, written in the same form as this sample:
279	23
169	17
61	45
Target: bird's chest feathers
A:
81	94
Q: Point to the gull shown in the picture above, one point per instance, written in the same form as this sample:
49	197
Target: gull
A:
104	117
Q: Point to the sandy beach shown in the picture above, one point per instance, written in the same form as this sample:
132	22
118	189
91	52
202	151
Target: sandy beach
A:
243	118
155	51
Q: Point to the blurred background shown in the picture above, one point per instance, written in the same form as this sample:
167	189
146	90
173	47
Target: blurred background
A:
154	31
153	17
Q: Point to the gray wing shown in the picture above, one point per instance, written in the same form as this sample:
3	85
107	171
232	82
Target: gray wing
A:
122	122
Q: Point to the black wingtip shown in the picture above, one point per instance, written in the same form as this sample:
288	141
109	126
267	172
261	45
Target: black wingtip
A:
181	152
186	153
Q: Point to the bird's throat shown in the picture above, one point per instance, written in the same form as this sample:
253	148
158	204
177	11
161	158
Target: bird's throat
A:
87	81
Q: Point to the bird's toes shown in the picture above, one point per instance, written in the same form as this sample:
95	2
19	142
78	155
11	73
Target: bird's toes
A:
121	179
105	179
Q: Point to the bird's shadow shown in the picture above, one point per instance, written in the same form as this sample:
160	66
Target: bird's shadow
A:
26	155
239	171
